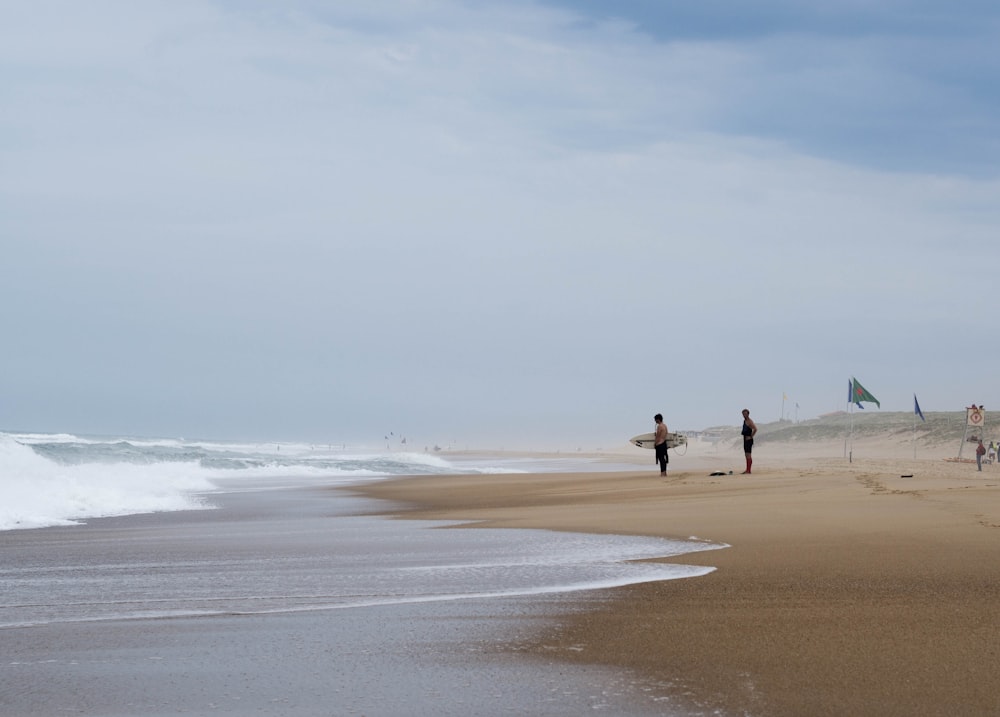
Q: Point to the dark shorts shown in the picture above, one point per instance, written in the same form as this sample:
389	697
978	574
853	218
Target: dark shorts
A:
661	453
747	445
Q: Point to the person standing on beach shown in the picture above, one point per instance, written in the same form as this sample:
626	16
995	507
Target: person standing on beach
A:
980	452
660	443
749	431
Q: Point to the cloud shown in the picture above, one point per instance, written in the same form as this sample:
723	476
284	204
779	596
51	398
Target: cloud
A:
479	220
899	86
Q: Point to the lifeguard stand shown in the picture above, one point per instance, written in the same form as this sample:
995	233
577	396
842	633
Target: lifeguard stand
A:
975	419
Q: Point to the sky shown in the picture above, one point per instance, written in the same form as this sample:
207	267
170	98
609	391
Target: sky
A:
493	224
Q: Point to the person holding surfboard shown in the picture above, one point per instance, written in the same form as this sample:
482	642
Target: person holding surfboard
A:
749	430
660	443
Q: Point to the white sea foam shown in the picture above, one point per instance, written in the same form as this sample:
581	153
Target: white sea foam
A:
377	561
37	491
59	479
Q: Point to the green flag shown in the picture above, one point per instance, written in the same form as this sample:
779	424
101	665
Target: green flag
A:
859	393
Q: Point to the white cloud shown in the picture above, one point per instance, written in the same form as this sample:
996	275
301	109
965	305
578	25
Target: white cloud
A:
451	212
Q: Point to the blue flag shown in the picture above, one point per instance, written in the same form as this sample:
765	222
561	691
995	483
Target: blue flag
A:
916	408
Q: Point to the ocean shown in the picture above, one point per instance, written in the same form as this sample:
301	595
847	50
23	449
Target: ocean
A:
137	537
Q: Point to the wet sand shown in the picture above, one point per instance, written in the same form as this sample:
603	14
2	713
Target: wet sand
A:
235	612
847	589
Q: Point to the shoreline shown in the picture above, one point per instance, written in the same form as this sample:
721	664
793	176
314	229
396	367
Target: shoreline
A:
847	589
271	605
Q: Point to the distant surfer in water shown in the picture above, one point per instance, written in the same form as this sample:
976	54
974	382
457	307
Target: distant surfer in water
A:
660	443
749	430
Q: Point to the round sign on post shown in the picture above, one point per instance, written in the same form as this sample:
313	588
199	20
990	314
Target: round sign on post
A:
975	416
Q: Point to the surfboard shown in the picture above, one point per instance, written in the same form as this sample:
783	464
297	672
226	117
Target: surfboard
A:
647	440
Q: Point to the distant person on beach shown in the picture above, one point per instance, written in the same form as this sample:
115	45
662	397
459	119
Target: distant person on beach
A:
749	431
980	452
660	443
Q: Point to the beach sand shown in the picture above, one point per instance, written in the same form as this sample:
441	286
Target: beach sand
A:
847	590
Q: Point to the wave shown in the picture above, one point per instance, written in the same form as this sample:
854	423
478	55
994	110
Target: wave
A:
39	491
60	479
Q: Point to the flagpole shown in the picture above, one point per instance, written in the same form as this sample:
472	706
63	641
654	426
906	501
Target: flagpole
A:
858	394
916	412
850	411
850	455
850	391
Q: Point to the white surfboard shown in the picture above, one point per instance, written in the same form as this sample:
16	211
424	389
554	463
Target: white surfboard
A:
647	440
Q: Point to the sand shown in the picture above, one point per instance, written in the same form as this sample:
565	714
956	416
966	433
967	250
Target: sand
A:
847	590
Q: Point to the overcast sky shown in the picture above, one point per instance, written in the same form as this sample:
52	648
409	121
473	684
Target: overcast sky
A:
493	223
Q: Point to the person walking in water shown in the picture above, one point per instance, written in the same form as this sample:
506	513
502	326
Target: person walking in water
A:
660	443
749	431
